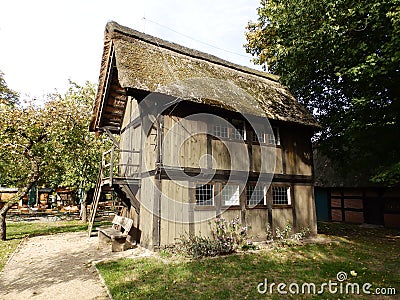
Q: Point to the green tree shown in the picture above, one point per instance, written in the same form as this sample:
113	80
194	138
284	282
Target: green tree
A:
8	97
49	145
341	59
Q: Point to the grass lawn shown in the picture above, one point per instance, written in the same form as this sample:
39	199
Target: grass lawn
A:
374	254
16	231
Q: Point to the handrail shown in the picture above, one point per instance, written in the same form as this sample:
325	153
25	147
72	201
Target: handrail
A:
108	151
110	160
107	168
112	164
129	151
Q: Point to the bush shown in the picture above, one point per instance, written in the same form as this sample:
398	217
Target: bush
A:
225	238
285	236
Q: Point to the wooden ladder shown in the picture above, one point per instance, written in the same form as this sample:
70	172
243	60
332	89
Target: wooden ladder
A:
96	200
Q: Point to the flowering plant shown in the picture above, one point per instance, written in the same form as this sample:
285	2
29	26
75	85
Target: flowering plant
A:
226	237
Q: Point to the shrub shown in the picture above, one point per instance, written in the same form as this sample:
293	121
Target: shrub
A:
285	236
225	238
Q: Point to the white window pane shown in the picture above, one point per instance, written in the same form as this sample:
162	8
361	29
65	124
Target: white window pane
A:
230	195
255	195
281	195
259	136
221	130
204	194
238	132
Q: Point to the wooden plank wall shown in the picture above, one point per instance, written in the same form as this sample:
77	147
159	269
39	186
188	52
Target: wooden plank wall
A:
174	210
297	152
130	139
304	206
146	212
266	159
182	147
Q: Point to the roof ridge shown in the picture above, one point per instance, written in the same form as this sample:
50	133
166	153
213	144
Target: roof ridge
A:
113	26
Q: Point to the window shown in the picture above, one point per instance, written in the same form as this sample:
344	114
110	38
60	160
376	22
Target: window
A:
204	194
230	195
255	195
238	132
273	139
221	130
226	130
281	195
259	136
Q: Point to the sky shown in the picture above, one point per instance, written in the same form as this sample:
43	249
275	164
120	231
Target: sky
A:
45	43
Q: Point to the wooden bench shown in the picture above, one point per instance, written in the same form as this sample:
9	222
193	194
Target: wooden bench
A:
115	236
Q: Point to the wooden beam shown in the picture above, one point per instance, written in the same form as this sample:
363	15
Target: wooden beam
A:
111	136
116	107
112	124
111	59
112	113
118	89
117	95
116	102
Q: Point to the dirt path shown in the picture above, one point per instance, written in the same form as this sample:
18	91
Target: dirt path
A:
58	267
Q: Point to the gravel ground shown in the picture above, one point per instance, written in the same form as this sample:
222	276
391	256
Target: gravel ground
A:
59	266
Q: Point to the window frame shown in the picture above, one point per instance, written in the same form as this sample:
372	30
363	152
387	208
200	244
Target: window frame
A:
235	130
197	205
256	137
264	201
223	203
288	195
275	138
221	128
267	139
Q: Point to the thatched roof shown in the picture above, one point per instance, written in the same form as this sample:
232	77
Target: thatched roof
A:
137	62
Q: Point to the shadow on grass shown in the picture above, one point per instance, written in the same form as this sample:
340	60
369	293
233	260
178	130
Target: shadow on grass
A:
371	253
356	231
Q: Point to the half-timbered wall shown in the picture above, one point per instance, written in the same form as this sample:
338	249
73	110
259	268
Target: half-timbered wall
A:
380	206
168	205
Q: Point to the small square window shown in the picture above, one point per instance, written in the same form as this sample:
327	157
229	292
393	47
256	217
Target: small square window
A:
221	130
259	136
238	131
281	195
230	195
273	139
204	194
255	195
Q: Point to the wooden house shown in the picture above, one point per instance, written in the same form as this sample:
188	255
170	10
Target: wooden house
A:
352	197
196	137
40	199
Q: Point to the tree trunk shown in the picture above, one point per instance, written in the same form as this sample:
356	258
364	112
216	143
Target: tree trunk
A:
3	211
3	214
22	191
3	231
83	212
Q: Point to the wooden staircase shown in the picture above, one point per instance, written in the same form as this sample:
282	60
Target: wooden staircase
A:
96	200
107	180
